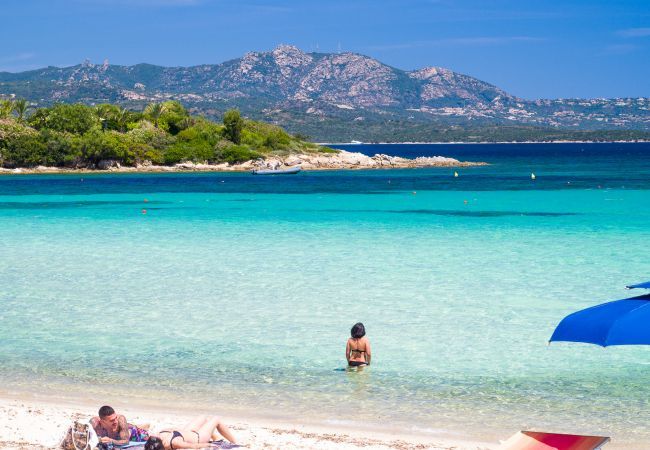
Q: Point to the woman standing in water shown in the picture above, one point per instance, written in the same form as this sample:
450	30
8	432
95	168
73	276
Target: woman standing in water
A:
357	350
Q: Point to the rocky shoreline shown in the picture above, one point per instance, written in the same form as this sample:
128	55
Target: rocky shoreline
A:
342	160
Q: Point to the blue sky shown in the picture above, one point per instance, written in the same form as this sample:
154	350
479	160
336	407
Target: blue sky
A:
533	49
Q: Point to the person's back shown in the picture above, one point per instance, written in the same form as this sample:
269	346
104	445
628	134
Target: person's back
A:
357	349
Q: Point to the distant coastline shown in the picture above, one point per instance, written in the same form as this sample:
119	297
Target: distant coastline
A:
640	141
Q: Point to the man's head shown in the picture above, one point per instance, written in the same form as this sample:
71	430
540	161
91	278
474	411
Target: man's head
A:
108	418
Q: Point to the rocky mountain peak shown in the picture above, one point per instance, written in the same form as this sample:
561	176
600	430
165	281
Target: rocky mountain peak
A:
287	49
248	61
430	72
290	56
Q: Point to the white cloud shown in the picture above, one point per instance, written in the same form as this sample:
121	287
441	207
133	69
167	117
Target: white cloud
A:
464	41
146	3
16	58
619	49
634	32
489	40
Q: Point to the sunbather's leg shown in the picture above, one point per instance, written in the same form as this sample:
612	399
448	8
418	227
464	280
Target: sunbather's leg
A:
207	430
196	423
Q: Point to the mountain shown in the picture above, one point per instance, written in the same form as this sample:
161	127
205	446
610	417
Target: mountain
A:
330	96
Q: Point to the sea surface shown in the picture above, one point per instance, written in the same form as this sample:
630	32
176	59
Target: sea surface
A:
236	292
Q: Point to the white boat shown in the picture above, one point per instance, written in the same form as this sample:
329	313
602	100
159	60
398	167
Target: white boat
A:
288	171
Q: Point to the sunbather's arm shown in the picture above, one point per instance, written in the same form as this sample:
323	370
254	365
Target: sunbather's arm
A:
368	352
347	351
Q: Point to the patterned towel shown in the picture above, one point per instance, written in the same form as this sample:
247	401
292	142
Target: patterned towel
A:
222	444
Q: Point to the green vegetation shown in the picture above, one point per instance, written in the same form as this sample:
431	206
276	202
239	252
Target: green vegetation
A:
233	125
81	136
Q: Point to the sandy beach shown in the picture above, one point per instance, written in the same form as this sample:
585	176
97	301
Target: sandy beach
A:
33	423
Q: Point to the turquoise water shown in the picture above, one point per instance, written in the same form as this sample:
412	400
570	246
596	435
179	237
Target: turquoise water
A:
239	292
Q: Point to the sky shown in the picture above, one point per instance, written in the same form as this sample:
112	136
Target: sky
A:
531	49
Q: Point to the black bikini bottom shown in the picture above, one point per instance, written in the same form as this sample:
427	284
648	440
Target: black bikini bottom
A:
176	434
357	363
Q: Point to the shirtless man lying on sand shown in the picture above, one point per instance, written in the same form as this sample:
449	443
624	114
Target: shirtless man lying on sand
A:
112	428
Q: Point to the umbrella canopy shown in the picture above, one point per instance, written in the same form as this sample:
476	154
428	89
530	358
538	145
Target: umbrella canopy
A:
539	440
621	322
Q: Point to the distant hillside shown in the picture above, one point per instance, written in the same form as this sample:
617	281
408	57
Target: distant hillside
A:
339	97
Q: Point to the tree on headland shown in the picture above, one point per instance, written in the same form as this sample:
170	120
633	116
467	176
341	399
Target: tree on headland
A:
68	118
5	108
233	124
122	119
302	137
153	111
174	117
106	114
114	117
20	107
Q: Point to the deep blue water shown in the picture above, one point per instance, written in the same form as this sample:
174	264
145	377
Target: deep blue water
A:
556	166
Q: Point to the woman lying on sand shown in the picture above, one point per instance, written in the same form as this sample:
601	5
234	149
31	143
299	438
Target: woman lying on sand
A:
195	434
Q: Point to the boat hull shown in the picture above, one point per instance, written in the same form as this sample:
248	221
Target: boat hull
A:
290	171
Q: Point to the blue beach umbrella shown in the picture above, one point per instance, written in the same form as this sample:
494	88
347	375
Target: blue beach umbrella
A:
645	285
621	322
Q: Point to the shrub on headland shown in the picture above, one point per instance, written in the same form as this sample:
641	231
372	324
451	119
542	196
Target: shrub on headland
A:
77	135
234	154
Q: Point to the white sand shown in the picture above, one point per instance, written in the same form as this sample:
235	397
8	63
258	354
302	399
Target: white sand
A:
38	424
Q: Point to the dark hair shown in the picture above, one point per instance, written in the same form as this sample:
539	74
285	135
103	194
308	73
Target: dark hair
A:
106	411
154	443
358	330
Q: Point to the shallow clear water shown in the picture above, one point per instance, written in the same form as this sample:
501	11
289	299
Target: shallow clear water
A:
241	290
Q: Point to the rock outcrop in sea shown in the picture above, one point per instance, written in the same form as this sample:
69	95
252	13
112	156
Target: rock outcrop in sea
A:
355	160
340	160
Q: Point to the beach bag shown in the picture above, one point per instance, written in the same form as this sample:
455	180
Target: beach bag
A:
80	436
